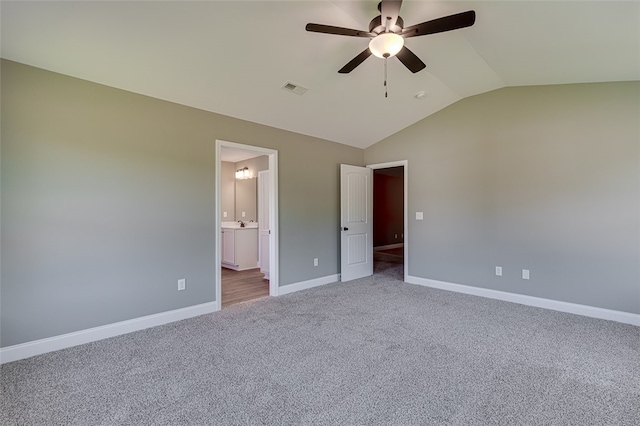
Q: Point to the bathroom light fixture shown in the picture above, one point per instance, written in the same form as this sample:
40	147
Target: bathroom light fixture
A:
243	173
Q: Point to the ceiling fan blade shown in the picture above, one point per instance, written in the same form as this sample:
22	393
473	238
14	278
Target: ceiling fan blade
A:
447	23
355	62
328	29
389	11
410	60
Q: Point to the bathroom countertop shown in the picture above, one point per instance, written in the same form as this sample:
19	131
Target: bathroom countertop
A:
236	225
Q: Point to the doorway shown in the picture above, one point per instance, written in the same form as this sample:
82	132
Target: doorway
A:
247	274
390	239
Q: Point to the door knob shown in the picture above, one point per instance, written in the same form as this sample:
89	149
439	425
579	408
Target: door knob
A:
345	229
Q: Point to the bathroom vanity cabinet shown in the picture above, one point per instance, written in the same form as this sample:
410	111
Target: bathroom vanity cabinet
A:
239	248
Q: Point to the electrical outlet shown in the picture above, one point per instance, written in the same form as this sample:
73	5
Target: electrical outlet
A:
499	271
224	214
396	236
315	261
419	215
182	284
244	214
525	274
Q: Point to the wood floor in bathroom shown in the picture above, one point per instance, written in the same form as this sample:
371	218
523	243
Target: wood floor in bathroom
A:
240	286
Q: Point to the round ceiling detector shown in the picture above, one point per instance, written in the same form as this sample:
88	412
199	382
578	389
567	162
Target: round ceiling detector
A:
386	45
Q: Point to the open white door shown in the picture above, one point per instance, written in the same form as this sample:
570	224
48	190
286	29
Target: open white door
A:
356	222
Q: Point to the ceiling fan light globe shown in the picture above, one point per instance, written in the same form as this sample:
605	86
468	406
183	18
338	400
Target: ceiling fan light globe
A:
386	45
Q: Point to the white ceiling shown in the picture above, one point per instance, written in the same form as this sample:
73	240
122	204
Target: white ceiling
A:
233	57
234	155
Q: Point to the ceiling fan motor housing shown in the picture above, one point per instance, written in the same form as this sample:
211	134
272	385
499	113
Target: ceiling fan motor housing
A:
376	27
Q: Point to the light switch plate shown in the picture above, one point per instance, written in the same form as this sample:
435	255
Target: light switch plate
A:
419	215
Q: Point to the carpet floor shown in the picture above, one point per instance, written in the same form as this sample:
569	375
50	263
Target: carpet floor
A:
374	351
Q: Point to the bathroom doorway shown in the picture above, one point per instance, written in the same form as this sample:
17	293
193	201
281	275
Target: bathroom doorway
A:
390	245
246	223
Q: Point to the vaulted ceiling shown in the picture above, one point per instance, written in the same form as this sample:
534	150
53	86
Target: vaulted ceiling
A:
233	57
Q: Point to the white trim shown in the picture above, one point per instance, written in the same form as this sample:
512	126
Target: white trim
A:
274	275
405	164
37	347
555	305
388	247
274	242
388	165
304	285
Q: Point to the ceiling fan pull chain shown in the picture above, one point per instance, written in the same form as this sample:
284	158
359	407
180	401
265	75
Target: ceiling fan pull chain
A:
386	93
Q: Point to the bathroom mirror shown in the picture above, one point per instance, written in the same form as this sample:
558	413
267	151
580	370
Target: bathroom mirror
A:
246	200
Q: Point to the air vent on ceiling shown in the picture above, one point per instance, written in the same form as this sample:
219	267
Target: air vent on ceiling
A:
297	89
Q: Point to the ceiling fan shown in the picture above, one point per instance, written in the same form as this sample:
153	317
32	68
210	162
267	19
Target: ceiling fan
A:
387	34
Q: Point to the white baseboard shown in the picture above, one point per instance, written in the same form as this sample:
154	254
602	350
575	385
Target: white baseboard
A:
556	305
303	285
388	247
37	347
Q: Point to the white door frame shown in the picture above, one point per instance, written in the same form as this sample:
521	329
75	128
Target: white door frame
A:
274	278
263	175
405	164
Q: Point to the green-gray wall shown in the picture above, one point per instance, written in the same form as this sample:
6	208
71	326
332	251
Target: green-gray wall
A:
540	178
108	200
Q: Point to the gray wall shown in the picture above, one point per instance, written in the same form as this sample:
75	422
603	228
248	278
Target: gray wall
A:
540	178
108	200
